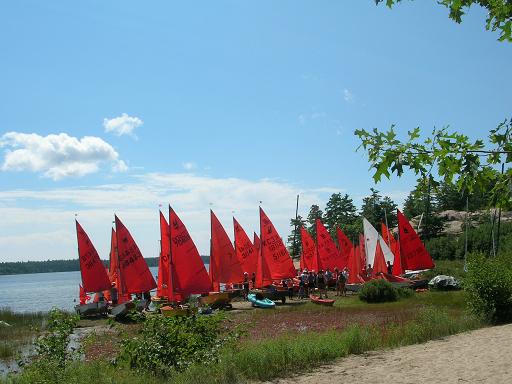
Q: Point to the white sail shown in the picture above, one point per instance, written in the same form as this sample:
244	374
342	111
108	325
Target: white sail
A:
388	255
371	236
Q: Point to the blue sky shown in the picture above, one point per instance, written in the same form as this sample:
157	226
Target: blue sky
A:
218	105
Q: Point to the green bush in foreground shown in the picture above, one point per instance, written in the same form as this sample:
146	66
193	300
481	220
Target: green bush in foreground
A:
168	344
378	291
488	285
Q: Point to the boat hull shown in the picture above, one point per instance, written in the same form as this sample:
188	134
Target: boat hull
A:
318	300
91	309
216	300
122	309
261	302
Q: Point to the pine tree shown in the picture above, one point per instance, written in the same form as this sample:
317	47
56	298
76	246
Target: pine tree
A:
314	213
340	211
294	243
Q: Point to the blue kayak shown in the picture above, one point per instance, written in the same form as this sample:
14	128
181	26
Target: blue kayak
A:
260	302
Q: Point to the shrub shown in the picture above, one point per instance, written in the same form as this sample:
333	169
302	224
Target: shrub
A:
442	248
167	344
488	285
378	291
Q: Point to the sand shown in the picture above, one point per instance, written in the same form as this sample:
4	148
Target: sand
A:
481	356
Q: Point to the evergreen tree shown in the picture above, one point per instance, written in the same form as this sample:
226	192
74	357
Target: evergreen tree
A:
294	243
375	209
339	212
314	213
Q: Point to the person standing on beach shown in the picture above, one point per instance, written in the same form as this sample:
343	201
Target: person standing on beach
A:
390	268
311	281
246	285
369	271
321	283
114	294
289	285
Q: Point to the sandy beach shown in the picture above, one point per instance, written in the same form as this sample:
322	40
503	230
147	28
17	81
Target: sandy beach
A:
481	356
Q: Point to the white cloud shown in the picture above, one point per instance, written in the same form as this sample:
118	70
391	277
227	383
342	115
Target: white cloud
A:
189	166
122	125
348	96
136	204
57	156
302	119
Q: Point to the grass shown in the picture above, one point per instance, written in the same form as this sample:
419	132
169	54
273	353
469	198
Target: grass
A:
22	329
431	315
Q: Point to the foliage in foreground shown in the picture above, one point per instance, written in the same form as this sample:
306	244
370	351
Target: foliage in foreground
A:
167	344
488	285
271	358
378	291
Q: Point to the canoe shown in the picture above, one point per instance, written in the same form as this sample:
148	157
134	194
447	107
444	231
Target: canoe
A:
91	309
318	300
259	301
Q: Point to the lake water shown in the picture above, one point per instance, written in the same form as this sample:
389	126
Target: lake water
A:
42	291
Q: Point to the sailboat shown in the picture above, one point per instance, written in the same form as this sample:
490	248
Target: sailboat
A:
94	276
134	276
309	254
326	248
187	273
224	265
414	255
162	290
246	251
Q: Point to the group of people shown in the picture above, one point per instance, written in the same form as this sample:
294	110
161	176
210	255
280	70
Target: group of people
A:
310	281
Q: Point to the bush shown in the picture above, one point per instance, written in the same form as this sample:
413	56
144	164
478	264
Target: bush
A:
488	285
442	248
378	291
167	344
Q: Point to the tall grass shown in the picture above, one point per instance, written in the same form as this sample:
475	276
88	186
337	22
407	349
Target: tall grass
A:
272	358
20	331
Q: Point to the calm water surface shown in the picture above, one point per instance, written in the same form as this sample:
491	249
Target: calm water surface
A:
42	291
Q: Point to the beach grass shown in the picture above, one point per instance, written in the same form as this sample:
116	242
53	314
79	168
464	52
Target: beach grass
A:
434	315
18	330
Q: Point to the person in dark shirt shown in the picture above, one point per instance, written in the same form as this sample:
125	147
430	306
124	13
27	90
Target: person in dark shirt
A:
246	285
321	283
390	268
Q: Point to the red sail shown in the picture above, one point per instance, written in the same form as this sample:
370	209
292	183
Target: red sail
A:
273	250
94	277
188	273
257	243
344	246
245	250
354	266
114	273
379	262
262	272
413	252
395	248
135	274
309	255
326	248
224	264
263	276
163	261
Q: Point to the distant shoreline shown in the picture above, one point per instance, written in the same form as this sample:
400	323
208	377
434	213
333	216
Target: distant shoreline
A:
50	266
